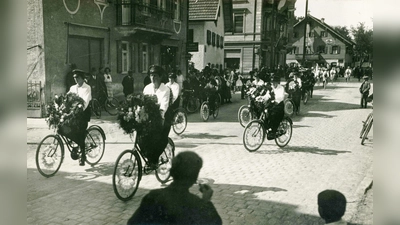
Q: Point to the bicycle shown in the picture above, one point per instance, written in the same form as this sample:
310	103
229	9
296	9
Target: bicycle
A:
248	112
256	130
50	152
367	124
205	110
179	121
190	102
110	105
128	169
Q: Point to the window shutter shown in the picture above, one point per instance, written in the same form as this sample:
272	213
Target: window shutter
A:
119	57
213	39
208	37
332	50
139	54
338	49
217	44
326	50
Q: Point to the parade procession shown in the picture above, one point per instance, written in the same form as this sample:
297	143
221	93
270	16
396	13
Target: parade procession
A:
199	112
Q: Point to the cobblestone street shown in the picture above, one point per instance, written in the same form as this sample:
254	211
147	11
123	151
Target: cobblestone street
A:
273	185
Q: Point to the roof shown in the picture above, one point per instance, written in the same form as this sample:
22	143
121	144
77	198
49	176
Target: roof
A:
203	9
329	28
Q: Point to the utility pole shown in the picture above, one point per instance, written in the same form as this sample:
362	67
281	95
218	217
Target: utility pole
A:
305	34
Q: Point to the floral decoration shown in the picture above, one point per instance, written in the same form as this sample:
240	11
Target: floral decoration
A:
140	113
65	111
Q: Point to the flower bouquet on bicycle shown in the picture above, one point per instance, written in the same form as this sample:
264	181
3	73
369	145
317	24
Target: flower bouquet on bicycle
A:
66	115
140	117
253	109
271	123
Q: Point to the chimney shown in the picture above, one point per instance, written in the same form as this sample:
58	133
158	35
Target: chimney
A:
323	20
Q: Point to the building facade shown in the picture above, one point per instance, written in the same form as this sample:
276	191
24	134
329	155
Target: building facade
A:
324	45
260	34
207	25
124	35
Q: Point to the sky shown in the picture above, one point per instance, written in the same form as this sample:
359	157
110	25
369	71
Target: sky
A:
339	12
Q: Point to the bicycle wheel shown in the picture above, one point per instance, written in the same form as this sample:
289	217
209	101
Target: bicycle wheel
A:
289	107
253	135
284	133
95	145
127	174
365	135
216	105
306	96
96	108
204	111
192	104
179	121
165	162
111	106
365	124
244	115
49	155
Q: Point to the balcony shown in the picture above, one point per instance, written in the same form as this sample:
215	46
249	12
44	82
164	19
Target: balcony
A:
134	17
309	57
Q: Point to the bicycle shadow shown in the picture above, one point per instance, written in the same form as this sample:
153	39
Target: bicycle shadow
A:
205	136
302	149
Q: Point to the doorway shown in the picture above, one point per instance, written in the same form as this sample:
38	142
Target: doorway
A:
85	52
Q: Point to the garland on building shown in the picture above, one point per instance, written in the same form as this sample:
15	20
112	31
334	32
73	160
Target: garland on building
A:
140	113
65	111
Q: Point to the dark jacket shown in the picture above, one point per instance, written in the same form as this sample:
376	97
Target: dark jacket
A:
127	84
174	205
364	88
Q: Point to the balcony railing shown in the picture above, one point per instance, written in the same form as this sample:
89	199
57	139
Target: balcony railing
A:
134	13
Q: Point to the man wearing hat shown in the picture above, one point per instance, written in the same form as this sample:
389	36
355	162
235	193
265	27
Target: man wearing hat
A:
257	81
364	90
156	87
83	90
175	204
175	90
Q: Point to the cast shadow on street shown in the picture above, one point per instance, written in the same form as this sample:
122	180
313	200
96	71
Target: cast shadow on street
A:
62	198
205	136
301	149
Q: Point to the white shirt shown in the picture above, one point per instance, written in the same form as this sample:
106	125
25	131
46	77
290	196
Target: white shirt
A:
83	91
162	94
348	72
107	78
259	83
279	93
175	90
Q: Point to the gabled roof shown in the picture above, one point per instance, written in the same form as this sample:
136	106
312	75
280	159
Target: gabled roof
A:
203	9
327	27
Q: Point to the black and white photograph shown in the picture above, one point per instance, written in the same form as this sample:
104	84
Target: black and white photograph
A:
201	112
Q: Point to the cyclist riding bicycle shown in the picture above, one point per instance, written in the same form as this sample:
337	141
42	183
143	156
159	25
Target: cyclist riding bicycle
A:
155	143
78	134
211	89
275	96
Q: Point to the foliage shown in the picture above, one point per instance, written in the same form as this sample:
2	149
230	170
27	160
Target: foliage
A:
65	111
343	30
140	113
364	41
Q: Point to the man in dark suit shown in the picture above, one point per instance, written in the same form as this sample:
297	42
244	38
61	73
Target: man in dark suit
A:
364	90
175	204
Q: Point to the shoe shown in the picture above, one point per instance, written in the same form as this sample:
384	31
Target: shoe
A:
82	161
270	136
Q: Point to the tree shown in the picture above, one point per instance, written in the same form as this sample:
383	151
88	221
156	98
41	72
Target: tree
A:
363	50
343	31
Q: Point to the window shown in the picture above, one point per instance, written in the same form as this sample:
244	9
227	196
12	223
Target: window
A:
177	10
238	23
311	34
222	42
144	58
321	49
335	50
295	34
190	36
324	34
213	39
208	37
125	56
326	50
126	13
217	41
162	4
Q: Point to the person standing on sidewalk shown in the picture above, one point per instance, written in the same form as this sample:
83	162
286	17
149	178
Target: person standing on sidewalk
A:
347	74
364	90
175	204
127	83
